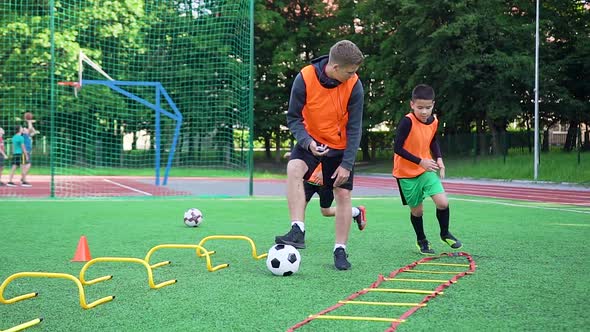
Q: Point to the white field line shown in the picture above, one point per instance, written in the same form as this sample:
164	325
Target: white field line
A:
522	205
271	198
574	225
127	187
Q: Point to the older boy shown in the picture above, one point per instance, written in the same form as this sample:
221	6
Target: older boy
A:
325	116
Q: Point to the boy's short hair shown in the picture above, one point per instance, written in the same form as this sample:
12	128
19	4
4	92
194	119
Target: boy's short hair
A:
345	53
17	128
423	91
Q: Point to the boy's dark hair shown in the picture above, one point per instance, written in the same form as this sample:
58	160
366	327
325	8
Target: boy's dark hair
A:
423	91
345	53
17	128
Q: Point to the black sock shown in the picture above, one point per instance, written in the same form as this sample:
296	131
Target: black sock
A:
443	220
418	227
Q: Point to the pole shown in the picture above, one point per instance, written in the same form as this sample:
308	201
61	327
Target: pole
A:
251	106
536	162
52	100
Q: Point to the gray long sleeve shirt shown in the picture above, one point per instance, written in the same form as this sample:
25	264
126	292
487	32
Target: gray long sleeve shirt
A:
355	112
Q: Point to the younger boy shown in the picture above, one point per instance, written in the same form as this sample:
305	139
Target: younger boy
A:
415	169
315	184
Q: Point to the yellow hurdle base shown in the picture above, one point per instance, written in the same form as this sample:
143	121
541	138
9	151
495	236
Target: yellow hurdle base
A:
373	319
394	304
24	325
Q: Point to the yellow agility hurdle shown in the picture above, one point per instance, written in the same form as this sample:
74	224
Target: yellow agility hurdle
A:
121	260
207	255
83	303
231	237
23	326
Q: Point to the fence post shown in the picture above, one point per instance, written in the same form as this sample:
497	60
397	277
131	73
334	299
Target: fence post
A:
474	148
579	142
504	146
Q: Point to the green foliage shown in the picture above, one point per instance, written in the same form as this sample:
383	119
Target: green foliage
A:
516	165
479	56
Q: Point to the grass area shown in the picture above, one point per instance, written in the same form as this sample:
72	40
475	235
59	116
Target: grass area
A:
529	256
556	166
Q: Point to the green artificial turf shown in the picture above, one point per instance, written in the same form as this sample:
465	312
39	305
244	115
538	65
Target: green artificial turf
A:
532	269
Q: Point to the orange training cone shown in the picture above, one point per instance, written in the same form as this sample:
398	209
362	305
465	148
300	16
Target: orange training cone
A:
82	252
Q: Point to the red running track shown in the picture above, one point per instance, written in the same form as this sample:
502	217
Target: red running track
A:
137	186
526	192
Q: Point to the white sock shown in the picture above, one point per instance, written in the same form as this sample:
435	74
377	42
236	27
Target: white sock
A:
339	245
300	224
355	211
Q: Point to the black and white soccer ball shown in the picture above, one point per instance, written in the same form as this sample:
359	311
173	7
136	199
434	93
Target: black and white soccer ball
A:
193	217
283	260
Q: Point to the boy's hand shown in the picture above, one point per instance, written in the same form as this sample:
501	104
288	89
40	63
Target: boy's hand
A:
441	168
341	175
429	165
318	150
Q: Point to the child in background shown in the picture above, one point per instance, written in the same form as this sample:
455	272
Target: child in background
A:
19	151
2	155
28	134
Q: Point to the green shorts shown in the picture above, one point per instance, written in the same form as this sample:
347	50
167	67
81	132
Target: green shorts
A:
414	190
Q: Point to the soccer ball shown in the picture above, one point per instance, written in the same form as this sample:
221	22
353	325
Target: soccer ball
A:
283	260
193	217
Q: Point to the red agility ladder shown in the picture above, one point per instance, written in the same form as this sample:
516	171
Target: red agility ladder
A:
424	266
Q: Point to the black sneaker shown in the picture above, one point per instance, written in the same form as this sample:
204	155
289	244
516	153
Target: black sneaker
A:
2	184
340	259
424	247
452	241
361	219
295	238
25	184
10	184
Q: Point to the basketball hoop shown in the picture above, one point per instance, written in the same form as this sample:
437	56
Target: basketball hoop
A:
76	85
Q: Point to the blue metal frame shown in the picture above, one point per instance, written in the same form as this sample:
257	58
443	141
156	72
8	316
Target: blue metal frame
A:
160	91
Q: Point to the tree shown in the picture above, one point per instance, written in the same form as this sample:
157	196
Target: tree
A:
289	34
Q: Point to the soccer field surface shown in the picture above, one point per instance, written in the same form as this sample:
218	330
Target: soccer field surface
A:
532	267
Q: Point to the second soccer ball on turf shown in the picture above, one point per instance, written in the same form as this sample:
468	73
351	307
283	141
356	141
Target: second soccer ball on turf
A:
283	260
193	217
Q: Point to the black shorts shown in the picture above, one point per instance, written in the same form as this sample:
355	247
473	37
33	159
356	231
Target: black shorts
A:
26	160
326	194
1	160
17	159
330	163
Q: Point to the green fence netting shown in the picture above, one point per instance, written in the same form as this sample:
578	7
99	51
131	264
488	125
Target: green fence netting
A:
96	75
